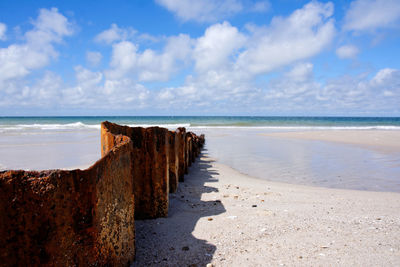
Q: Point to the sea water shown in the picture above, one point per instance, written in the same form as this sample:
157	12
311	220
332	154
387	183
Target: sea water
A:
32	124
74	142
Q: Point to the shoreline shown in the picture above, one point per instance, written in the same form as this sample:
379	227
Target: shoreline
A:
229	219
277	184
257	180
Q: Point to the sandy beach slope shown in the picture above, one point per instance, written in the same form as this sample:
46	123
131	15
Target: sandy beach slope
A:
223	217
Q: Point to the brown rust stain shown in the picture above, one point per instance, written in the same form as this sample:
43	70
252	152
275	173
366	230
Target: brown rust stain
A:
86	217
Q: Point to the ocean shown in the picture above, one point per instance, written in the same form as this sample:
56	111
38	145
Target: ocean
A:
17	124
242	143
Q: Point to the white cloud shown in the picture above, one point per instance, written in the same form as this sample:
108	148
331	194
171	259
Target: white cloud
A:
149	65
125	91
44	92
3	29
227	60
296	85
387	80
293	92
94	91
305	33
222	81
115	34
52	22
93	58
381	93
153	66
202	10
383	75
301	72
208	88
166	94
86	78
261	6
365	15
388	93
87	90
179	47
18	60
47	89
212	10
341	95
145	37
219	42
123	59
347	51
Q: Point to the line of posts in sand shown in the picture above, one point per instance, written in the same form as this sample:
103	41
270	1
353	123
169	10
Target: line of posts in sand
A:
86	217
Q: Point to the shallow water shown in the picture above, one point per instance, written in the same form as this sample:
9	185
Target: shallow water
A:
50	150
297	161
306	162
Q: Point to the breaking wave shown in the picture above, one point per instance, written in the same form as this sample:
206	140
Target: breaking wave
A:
21	128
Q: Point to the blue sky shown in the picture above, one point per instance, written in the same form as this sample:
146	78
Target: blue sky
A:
204	57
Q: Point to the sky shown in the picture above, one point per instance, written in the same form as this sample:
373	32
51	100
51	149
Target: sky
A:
202	57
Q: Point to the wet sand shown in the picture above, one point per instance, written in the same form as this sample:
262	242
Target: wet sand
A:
223	217
49	150
387	141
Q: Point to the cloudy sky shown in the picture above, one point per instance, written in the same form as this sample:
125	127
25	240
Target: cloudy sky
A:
202	57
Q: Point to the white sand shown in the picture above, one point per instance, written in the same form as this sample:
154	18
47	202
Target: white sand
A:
291	225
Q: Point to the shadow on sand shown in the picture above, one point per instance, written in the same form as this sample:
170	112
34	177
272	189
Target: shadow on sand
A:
169	241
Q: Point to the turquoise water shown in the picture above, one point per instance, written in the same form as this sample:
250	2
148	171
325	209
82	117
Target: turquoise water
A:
13	124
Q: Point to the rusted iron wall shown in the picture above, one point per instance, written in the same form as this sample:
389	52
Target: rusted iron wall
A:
181	151
69	218
150	175
86	217
173	144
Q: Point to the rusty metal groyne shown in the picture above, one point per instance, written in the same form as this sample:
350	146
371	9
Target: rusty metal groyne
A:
86	217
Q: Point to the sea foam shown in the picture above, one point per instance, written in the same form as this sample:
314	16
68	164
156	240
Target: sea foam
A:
35	127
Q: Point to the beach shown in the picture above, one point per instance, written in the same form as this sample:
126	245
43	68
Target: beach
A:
258	195
200	133
226	218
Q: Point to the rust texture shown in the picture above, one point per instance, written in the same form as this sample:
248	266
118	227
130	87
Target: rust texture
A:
180	143
150	174
173	144
69	218
86	217
189	147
